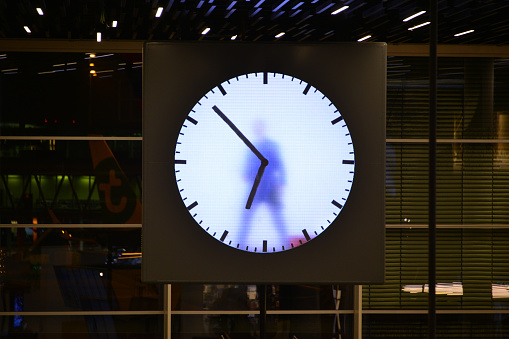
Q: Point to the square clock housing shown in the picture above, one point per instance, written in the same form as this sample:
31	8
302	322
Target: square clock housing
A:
264	163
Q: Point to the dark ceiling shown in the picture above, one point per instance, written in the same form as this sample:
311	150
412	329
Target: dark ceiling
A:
255	20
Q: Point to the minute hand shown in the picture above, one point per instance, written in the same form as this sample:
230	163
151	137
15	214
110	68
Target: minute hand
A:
264	161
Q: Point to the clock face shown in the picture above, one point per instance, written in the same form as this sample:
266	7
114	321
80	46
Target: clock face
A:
264	162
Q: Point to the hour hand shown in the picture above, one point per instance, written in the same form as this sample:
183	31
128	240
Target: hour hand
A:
255	185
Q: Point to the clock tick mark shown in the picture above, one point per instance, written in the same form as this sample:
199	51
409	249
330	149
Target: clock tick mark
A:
225	233
306	235
193	121
335	121
265	78
180	162
337	204
193	205
306	90
348	162
265	246
221	89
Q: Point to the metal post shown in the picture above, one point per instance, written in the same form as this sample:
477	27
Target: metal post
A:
432	228
167	311
357	309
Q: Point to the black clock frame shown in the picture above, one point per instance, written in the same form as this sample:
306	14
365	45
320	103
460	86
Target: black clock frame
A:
350	250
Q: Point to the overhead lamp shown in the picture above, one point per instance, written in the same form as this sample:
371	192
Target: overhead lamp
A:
280	35
298	5
339	10
364	38
463	33
277	8
205	31
27	29
419	26
114	23
414	16
233	37
159	12
92	55
39	10
99	36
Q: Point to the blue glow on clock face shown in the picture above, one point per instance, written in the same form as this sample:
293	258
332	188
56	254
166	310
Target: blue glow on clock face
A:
221	162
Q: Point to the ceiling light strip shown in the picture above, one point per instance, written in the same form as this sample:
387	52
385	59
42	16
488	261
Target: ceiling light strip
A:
284	2
419	26
413	16
465	32
339	10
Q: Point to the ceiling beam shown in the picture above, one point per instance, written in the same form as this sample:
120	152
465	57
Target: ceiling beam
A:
136	46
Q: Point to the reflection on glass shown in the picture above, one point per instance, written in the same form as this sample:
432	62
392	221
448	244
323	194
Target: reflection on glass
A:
73	269
84	326
77	182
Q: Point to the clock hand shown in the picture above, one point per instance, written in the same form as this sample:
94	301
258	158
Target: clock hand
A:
264	161
255	185
249	144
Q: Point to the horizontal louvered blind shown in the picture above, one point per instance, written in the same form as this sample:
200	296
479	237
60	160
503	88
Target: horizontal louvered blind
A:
478	259
472	186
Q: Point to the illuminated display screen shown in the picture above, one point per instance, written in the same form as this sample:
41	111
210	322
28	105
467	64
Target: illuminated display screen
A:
264	162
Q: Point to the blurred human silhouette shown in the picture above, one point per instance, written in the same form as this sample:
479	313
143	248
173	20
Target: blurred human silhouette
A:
269	192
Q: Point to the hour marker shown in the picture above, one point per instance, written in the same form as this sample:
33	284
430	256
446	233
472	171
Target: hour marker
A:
192	120
225	233
348	162
221	89
306	90
182	162
193	205
306	235
265	246
265	78
337	204
335	121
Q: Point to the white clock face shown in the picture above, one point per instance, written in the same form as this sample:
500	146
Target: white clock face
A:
264	162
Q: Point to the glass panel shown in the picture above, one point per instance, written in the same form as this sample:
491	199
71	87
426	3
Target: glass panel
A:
83	327
74	269
248	326
472	270
472	188
58	181
448	326
70	94
197	297
193	297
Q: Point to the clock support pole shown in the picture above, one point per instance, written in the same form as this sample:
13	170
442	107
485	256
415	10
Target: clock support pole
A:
262	297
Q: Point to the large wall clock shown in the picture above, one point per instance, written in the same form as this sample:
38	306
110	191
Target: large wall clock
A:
264	162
